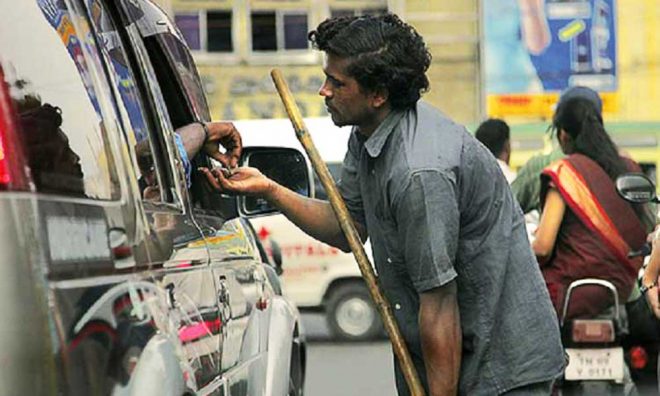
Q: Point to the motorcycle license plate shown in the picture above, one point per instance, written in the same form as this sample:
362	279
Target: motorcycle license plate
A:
594	364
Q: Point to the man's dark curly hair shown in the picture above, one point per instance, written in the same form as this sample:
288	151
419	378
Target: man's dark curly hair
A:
384	52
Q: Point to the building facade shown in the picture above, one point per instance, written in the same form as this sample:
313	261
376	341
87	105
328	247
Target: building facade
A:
237	42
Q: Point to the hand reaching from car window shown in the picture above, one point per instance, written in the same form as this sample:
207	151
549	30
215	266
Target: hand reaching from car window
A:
226	135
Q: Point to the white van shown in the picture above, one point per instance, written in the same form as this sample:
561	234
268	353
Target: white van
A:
316	276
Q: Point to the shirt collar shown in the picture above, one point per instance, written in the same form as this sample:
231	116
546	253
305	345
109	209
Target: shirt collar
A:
374	144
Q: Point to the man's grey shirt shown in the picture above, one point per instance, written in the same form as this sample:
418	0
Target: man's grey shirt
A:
437	208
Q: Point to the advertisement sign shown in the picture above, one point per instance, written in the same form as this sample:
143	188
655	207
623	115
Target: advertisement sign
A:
534	49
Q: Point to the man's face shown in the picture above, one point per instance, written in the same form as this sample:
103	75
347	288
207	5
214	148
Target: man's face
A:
344	100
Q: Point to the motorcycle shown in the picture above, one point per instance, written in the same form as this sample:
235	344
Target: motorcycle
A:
596	363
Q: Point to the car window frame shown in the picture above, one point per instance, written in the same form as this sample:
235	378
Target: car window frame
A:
160	127
112	78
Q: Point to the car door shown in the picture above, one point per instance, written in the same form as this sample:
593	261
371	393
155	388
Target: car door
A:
238	278
177	254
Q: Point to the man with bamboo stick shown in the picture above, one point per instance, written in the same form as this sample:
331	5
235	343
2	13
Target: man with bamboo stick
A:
448	239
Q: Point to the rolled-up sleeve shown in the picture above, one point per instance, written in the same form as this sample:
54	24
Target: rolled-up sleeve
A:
349	183
427	217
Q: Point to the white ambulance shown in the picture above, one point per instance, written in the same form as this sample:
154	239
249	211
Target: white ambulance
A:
315	276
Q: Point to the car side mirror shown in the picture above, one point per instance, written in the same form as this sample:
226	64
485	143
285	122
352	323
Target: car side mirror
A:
636	188
286	166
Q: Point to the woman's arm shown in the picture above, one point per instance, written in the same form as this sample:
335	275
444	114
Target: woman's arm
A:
546	234
534	25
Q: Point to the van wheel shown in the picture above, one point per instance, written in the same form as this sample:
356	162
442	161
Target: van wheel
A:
351	315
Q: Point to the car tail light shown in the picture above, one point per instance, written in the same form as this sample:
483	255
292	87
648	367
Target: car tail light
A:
13	172
593	331
638	357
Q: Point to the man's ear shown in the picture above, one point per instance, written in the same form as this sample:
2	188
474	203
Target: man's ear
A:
379	97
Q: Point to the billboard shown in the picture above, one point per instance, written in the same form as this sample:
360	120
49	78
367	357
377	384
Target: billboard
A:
534	49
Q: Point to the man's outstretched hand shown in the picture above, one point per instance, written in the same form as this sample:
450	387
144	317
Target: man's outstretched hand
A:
226	135
247	181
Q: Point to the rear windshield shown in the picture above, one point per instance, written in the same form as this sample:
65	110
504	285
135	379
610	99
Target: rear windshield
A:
50	66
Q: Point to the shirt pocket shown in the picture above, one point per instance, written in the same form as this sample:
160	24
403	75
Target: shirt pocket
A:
388	235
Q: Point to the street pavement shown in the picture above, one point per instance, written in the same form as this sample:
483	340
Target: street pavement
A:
345	369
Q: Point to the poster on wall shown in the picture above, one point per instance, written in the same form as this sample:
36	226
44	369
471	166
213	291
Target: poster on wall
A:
535	49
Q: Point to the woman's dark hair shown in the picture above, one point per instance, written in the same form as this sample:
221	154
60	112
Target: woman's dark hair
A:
579	118
384	52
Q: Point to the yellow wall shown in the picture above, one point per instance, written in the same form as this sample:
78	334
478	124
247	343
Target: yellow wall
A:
639	60
450	29
244	92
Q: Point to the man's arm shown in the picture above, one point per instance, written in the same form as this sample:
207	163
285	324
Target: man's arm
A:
428	221
210	136
192	138
313	216
440	333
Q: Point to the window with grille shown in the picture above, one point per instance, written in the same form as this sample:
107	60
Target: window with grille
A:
279	30
209	30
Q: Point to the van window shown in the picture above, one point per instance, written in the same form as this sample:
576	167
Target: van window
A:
129	103
171	61
51	69
178	79
335	171
185	67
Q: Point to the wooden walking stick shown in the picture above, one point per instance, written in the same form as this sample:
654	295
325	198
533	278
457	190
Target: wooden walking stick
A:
346	223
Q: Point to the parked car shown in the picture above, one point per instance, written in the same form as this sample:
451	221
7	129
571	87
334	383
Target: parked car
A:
317	277
120	275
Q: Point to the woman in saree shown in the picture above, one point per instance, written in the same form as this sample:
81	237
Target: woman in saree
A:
586	229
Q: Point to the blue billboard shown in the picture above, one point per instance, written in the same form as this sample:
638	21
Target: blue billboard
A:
539	47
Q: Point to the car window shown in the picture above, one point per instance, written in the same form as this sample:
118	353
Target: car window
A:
181	87
335	171
49	61
172	62
164	123
129	103
185	68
